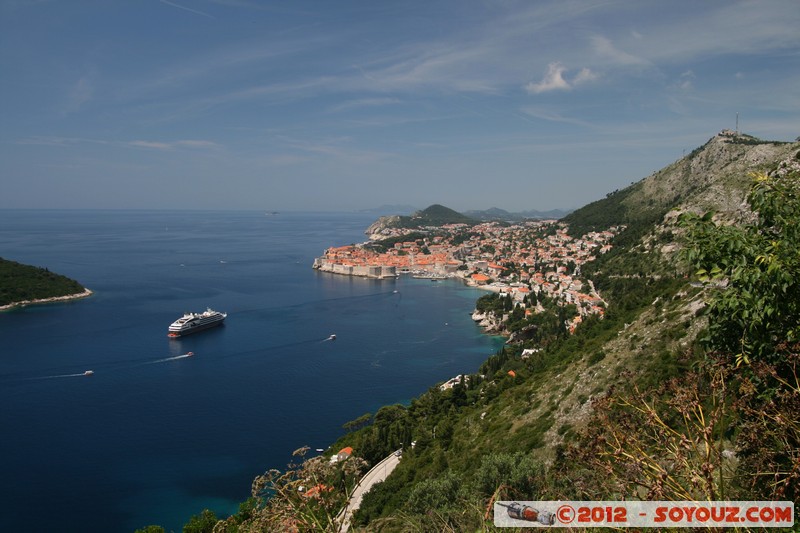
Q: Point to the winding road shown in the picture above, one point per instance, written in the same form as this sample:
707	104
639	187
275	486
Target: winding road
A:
378	473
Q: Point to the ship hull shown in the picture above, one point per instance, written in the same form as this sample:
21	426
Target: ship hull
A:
195	329
194	322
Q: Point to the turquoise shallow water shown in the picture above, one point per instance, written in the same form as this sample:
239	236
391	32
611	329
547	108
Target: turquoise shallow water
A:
154	438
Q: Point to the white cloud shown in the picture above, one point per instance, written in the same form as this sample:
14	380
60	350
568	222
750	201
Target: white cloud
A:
553	80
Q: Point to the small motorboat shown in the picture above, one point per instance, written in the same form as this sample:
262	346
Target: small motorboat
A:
189	354
88	373
332	337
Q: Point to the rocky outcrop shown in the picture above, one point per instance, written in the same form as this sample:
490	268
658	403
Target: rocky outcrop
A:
376	228
489	321
714	177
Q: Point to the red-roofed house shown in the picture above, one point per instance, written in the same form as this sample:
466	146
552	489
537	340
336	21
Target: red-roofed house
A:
480	279
344	453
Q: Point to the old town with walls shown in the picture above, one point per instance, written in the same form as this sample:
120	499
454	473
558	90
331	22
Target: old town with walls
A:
532	258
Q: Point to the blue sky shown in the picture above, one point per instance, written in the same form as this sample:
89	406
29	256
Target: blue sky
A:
341	105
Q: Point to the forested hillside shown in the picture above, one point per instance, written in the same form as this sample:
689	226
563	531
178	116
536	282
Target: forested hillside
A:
20	282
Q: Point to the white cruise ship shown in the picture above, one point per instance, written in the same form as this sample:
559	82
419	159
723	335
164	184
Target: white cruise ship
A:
194	322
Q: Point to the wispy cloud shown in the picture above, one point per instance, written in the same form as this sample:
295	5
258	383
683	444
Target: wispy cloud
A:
686	81
364	102
711	29
197	144
550	115
452	63
189	9
152	145
335	148
207	72
585	76
173	145
604	48
79	94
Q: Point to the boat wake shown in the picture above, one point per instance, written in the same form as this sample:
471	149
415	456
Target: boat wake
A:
174	358
60	376
107	368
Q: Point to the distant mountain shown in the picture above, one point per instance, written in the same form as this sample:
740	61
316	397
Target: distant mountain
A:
552	213
434	215
438	215
498	214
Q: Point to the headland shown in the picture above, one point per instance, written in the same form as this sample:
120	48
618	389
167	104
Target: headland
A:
55	299
22	285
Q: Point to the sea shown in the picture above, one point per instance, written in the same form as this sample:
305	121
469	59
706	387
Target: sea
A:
154	436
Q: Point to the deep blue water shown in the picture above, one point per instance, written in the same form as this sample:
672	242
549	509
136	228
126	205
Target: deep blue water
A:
153	440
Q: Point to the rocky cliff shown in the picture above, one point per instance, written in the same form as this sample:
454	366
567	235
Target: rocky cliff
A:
375	230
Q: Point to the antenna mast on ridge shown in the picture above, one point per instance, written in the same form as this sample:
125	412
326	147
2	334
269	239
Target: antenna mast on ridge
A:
737	123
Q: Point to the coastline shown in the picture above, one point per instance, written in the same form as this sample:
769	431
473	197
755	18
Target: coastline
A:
77	296
391	272
329	304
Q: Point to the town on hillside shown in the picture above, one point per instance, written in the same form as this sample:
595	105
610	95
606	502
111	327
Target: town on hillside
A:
524	261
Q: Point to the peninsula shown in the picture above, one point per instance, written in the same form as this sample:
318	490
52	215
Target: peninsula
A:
22	285
525	261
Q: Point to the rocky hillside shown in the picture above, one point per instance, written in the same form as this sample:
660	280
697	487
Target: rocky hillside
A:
653	341
712	177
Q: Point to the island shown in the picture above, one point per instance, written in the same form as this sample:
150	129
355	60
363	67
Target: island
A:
22	285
